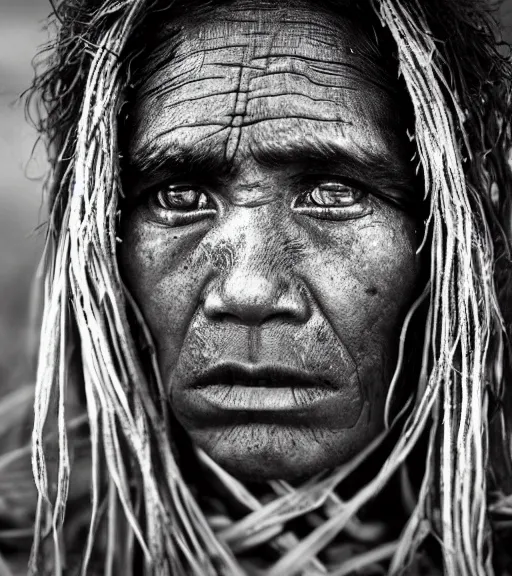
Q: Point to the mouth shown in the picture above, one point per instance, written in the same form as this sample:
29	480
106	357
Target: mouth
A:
235	388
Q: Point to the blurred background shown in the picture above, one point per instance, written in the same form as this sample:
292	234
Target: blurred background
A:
21	32
21	171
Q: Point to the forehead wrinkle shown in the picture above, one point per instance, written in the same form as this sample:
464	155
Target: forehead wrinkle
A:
329	74
262	92
221	22
176	68
292	82
205	78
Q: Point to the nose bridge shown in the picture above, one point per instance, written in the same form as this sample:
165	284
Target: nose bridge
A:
252	242
259	246
255	279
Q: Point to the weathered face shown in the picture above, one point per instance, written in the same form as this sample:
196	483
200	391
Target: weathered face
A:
269	244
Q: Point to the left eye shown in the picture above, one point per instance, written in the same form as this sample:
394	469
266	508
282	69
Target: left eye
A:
333	201
334	195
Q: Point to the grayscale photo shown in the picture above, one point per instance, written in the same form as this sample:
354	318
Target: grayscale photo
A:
256	274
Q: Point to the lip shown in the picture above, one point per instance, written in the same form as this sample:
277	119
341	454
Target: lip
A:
236	388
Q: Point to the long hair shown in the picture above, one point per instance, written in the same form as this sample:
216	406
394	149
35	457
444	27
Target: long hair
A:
143	510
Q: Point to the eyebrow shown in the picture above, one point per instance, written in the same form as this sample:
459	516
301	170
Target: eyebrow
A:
160	160
381	172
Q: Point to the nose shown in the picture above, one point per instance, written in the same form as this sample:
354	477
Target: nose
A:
256	282
251	299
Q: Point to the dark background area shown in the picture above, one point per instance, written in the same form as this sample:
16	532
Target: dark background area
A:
21	212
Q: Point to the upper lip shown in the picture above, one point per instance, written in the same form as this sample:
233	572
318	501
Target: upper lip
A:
260	376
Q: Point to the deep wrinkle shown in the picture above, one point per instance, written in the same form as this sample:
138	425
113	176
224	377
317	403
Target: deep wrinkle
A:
266	279
245	54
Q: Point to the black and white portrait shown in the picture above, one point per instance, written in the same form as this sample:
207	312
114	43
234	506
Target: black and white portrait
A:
270	330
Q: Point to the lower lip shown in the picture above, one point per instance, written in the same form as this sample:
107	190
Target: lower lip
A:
263	398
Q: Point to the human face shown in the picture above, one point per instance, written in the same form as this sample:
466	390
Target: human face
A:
269	243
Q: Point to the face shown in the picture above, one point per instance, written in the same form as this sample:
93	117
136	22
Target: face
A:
269	236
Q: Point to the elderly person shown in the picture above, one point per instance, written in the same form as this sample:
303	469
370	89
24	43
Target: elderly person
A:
276	280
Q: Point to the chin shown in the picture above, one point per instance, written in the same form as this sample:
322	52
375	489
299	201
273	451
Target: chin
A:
258	453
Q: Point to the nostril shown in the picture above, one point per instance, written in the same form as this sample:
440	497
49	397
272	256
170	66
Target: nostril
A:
216	309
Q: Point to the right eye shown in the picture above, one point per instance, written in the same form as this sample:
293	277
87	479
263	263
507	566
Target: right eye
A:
181	204
181	198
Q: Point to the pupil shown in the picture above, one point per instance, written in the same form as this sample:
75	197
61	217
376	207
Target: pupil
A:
182	198
332	197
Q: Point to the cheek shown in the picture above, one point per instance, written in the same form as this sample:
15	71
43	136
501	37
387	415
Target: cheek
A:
368	279
165	280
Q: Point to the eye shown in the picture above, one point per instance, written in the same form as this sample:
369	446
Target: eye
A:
333	194
333	200
180	204
181	198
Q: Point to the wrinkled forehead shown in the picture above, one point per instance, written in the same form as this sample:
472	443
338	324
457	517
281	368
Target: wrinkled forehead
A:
241	31
240	73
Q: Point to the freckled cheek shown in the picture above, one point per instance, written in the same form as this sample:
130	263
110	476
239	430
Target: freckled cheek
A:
389	267
367	284
166	280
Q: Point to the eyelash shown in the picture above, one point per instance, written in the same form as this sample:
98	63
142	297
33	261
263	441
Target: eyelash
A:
354	202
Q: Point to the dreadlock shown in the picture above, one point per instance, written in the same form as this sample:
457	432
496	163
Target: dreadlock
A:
144	515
